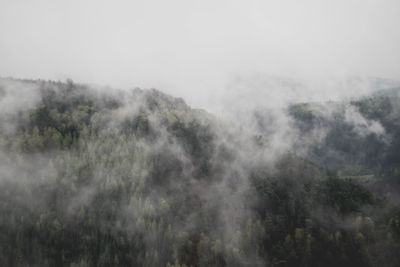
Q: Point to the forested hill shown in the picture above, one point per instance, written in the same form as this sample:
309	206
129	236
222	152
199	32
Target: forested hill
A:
102	177
361	139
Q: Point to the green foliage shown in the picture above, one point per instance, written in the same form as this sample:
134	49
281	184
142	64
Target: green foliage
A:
345	195
302	112
90	179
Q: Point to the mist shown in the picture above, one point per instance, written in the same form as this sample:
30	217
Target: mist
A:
197	50
212	133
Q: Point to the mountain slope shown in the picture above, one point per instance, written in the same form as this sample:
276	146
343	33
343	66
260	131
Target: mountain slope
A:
101	177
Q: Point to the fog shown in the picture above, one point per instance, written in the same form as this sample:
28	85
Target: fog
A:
198	50
140	178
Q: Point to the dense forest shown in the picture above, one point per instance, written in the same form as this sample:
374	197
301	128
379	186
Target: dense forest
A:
103	177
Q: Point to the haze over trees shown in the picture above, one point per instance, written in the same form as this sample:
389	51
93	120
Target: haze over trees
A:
100	177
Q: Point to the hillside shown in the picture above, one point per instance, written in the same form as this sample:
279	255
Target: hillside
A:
105	177
360	138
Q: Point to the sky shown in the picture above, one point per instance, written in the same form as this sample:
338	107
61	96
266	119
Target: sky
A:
198	49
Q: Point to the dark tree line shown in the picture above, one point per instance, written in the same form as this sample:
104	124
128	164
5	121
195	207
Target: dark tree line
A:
137	178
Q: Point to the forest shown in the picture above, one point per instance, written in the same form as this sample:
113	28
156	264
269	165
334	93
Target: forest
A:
105	177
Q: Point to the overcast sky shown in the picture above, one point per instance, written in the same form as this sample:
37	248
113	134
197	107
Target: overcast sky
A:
194	48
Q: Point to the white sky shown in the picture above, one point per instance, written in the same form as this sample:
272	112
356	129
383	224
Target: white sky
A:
193	48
